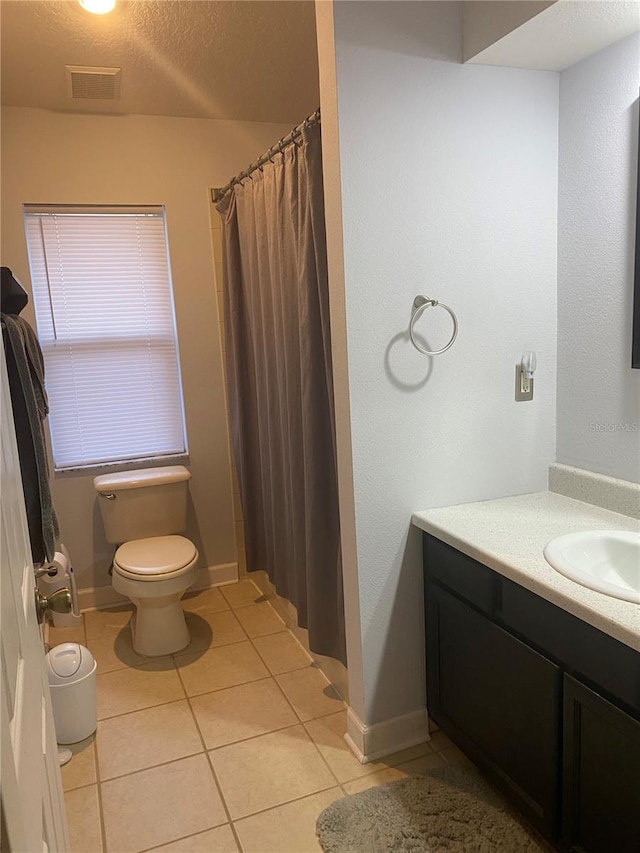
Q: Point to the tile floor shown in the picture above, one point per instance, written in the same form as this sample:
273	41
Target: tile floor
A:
234	744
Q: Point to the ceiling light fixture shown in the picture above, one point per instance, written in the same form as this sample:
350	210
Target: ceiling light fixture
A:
98	7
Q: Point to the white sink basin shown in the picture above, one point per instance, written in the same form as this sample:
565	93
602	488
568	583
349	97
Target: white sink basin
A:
605	560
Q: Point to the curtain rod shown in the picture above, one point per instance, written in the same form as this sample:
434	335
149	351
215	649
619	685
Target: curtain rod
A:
218	193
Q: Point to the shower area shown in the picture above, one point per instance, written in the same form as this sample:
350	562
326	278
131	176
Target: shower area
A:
269	249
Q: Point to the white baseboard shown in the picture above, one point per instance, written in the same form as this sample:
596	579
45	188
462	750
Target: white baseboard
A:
219	575
98	597
369	743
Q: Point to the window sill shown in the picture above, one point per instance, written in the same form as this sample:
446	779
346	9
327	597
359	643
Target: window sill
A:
123	465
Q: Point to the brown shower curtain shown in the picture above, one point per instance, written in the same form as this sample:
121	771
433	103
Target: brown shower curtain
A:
280	384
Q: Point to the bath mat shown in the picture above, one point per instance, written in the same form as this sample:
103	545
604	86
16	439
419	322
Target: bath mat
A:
448	810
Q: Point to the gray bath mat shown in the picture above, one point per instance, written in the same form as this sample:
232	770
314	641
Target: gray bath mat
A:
450	809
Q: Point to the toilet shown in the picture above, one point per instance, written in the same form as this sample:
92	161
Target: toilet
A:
143	512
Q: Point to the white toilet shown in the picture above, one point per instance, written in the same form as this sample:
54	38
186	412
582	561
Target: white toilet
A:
142	511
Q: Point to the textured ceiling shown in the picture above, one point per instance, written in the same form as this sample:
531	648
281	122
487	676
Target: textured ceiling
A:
252	61
565	33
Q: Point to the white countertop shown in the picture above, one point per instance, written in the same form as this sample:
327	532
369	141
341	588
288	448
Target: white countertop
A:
508	535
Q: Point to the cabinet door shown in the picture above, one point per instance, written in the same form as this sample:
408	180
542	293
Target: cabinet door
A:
601	774
499	701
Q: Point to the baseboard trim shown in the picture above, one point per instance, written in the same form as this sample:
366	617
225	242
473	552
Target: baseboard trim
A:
219	575
369	743
99	597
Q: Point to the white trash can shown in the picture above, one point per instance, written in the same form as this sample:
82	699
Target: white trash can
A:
72	679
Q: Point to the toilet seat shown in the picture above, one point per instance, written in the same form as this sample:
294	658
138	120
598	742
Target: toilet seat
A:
157	558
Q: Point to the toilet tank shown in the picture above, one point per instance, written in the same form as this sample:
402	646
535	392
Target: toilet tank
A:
143	503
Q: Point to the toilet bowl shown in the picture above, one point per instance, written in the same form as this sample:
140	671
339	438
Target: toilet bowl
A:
143	511
155	573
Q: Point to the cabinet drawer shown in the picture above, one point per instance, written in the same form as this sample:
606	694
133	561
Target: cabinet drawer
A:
461	574
581	648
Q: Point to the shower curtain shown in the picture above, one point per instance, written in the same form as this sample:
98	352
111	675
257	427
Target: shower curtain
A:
280	386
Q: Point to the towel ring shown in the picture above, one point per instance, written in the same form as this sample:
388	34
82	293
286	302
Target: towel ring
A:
420	305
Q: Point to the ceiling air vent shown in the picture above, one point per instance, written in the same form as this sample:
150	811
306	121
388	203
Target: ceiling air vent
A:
93	83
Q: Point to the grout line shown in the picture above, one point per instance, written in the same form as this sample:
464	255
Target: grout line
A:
211	767
152	767
201	652
231	687
228	687
307	733
125	665
135	710
207	752
252	737
287	802
183	838
287	671
103	829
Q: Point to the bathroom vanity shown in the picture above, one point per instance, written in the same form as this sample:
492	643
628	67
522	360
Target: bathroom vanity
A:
536	681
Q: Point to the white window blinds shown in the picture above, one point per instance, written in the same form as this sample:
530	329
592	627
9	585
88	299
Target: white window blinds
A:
104	310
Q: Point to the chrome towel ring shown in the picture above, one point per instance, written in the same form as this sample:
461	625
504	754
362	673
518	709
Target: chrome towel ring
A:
420	305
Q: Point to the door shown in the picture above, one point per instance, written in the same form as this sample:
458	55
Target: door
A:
33	816
601	773
499	701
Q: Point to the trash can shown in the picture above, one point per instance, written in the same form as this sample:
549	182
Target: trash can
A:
72	679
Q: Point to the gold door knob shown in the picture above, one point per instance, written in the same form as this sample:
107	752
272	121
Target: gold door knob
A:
59	601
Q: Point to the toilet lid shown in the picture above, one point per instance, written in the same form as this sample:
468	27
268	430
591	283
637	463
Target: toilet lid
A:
159	555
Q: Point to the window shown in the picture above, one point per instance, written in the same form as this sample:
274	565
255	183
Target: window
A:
104	310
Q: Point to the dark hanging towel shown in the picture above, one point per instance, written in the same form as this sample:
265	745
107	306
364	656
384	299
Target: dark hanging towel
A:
25	369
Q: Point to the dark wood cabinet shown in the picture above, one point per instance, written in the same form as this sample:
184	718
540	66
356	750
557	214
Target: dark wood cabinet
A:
601	773
546	705
502	700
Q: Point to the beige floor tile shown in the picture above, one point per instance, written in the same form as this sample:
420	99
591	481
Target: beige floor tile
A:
282	652
216	669
83	817
210	629
310	693
132	689
115	651
439	741
55	636
453	755
380	777
210	600
100	623
268	771
328	735
258	620
219	840
237	713
431	761
160	805
146	738
241	594
286	829
81	770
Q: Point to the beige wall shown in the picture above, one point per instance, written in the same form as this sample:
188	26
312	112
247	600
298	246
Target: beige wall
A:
62	158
